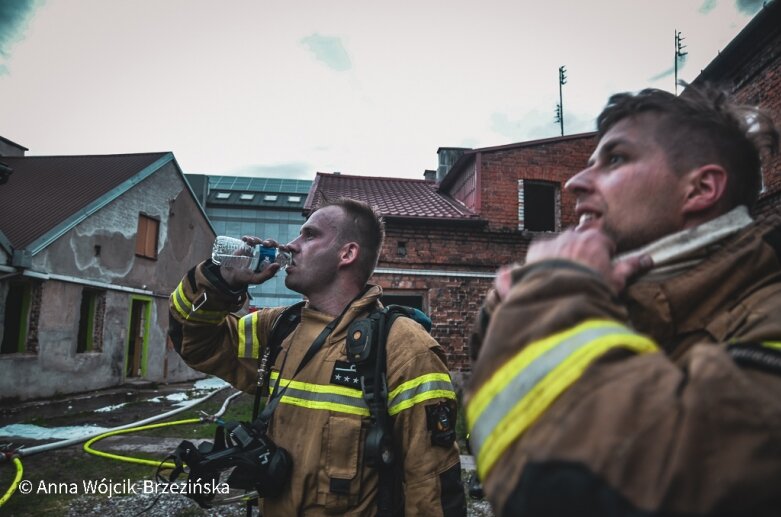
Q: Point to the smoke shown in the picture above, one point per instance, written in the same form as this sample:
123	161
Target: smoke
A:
749	6
15	15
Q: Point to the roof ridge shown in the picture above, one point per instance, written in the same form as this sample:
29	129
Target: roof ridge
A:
152	153
384	178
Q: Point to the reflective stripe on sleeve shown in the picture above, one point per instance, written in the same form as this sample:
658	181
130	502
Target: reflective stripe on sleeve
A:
516	395
420	389
249	347
184	307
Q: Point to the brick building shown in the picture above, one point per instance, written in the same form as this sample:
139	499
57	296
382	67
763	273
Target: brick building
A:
750	68
447	234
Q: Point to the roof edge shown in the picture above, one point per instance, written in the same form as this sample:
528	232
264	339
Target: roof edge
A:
6	140
466	221
192	192
463	159
754	29
532	143
58	231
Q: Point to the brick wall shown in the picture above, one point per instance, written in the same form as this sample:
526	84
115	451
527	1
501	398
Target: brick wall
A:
452	301
750	68
553	161
466	248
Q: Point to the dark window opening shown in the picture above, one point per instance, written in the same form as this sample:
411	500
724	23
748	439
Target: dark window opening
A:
85	341
539	206
401	248
409	300
17	311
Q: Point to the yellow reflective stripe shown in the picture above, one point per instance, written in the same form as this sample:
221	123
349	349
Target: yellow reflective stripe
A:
319	388
519	392
522	360
417	399
184	307
420	389
176	304
326	406
325	397
775	345
417	381
247	328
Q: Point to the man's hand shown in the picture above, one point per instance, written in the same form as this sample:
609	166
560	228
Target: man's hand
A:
590	248
238	278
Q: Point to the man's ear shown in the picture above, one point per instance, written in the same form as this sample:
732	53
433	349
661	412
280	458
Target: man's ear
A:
705	189
348	253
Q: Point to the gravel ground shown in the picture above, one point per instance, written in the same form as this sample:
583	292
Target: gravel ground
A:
176	505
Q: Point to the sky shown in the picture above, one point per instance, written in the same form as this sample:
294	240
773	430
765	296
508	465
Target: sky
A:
288	88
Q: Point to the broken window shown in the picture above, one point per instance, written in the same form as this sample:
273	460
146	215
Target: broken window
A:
146	238
90	321
538	206
17	318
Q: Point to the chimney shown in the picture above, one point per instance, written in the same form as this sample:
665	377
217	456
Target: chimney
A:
430	175
447	157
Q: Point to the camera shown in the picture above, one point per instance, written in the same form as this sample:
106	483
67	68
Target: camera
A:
257	462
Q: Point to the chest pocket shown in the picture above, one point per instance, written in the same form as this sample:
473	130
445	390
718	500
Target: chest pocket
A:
339	479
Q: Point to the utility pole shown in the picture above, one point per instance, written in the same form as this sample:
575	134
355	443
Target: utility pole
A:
560	105
679	54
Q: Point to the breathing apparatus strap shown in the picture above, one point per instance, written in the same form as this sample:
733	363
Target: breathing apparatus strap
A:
371	367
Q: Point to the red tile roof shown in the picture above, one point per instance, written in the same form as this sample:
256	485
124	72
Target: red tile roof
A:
43	192
393	197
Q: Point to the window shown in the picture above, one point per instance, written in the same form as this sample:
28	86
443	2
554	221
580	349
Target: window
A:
403	298
270	197
223	195
294	199
17	318
401	248
90	334
538	206
146	238
247	197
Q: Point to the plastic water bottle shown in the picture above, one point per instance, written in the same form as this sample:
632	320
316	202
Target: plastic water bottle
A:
235	253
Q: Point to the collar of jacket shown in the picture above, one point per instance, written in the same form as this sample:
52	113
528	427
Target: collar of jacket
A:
682	250
369	300
691	302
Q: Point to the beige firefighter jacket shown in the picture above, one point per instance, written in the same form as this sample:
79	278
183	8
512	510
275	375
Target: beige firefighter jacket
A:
322	419
666	402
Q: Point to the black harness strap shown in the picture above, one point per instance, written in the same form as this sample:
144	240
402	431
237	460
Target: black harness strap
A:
285	324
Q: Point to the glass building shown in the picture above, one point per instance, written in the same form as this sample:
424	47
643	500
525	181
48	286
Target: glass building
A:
265	207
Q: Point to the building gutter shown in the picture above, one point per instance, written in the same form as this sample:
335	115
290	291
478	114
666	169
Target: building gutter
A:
433	272
90	283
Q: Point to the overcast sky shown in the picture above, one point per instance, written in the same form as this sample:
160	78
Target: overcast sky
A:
291	87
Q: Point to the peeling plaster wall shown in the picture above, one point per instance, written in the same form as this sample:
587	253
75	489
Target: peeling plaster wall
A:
185	238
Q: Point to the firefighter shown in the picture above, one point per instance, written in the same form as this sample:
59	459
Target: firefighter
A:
632	365
321	418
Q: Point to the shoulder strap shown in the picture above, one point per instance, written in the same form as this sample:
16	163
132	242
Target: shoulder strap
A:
282	327
370	357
